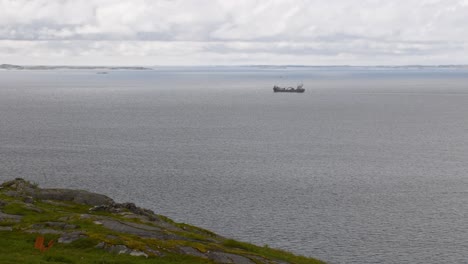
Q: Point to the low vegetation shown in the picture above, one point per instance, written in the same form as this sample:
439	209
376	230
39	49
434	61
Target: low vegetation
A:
69	226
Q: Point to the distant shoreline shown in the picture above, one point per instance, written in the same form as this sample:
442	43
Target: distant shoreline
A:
68	67
71	67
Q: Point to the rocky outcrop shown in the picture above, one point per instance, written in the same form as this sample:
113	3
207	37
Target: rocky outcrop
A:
124	207
96	221
121	249
76	196
68	238
26	190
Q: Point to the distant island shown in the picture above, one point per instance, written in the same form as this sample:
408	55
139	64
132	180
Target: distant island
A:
272	67
65	67
455	66
75	226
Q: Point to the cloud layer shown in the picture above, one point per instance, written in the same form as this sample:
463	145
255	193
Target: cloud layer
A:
234	32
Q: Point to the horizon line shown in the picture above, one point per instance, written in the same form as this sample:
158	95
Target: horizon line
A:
233	65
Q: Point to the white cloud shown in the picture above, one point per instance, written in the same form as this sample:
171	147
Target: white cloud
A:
274	31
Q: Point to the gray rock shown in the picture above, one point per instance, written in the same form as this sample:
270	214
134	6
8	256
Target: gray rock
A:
222	257
76	196
57	203
112	237
101	245
124	207
121	249
44	231
68	238
61	225
6	228
192	252
33	208
154	252
9	217
17	183
65	218
21	188
138	230
86	216
28	200
56	225
118	249
137	253
259	259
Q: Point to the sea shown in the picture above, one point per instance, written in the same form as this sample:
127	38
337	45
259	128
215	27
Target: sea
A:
369	165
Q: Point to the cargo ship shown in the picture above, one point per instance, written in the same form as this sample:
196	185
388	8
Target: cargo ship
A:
298	89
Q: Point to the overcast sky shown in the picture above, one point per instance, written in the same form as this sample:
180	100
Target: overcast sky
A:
224	32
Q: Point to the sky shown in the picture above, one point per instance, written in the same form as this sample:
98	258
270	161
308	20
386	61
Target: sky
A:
233	32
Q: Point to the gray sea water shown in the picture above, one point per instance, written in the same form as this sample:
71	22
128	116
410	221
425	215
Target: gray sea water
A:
370	165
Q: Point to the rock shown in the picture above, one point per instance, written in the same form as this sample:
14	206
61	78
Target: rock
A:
37	226
45	231
262	260
222	257
65	218
76	196
138	230
218	257
28	200
192	252
86	216
57	203
101	245
2	203
33	208
137	253
113	237
123	207
21	188
18	187
137	210
9	217
118	249
70	226
70	237
6	228
154	252
121	249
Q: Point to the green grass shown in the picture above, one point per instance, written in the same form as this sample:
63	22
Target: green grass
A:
266	251
17	246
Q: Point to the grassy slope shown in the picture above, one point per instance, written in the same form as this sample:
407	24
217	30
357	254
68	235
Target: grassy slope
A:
17	246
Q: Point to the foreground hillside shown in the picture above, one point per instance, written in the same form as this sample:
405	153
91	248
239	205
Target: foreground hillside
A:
72	226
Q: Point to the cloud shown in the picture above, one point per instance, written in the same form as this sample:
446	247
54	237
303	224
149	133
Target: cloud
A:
171	30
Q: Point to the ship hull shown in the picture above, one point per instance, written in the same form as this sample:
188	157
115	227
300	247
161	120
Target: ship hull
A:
287	91
298	89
